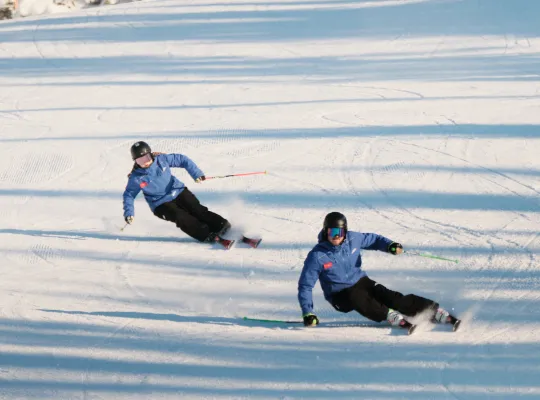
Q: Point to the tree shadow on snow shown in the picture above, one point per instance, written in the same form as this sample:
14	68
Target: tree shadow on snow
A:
186	365
390	21
81	235
217	320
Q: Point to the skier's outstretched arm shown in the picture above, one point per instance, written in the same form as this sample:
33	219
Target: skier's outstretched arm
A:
308	279
373	241
182	161
131	192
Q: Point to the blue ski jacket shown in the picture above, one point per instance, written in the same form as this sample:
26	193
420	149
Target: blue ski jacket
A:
336	267
157	182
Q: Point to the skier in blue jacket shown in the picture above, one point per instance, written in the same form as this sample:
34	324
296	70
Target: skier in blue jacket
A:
167	196
336	262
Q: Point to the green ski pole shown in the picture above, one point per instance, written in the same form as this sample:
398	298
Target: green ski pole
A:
417	253
272	320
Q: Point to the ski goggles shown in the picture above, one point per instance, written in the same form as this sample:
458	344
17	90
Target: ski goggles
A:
142	161
336	232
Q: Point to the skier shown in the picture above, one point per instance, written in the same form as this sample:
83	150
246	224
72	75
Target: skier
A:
167	196
337	263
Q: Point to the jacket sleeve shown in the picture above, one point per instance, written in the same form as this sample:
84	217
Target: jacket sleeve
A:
308	279
132	190
182	161
373	241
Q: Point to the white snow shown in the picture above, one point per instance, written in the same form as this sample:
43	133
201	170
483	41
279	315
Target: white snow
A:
417	119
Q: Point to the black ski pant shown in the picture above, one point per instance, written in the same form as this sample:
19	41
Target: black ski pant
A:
191	216
372	300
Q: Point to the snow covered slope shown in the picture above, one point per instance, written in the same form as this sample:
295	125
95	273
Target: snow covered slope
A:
417	119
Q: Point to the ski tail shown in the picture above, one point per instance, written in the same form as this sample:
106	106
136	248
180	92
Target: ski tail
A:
404	324
252	242
456	325
227	243
451	320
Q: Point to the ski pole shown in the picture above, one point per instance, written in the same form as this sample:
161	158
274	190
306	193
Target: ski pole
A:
124	227
273	320
228	176
417	253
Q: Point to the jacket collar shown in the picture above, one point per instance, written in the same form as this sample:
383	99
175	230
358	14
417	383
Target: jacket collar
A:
142	171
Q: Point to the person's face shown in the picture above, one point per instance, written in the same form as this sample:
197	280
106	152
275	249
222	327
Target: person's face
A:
144	161
336	235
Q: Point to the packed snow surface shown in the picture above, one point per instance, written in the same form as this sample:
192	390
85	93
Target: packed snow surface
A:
419	120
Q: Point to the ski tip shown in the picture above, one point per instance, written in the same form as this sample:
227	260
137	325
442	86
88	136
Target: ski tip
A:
411	330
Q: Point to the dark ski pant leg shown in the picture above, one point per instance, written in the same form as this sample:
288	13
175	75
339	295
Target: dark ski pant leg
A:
184	220
359	297
372	300
187	201
408	305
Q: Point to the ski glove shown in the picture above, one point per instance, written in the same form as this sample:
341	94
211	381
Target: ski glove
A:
311	320
129	219
395	248
200	179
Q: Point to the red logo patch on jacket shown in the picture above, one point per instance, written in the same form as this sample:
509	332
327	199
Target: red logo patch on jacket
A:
328	265
143	185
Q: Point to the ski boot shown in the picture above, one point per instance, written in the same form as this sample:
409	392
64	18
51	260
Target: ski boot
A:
395	318
442	316
224	229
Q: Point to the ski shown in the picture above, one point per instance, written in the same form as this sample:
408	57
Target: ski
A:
228	243
225	242
331	324
404	324
334	324
252	242
453	321
456	325
409	328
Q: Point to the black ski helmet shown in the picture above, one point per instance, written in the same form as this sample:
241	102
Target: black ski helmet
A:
335	220
139	149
